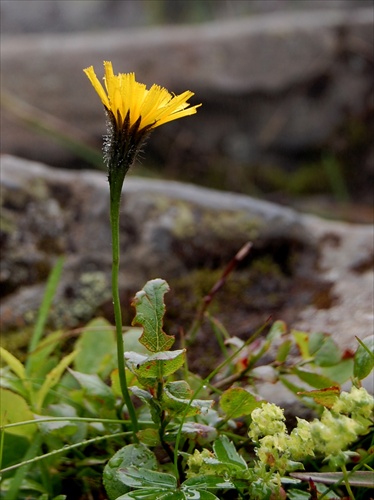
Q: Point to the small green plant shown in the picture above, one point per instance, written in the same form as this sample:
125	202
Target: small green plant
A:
190	442
121	408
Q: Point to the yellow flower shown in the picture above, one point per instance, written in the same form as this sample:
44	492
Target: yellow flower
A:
131	105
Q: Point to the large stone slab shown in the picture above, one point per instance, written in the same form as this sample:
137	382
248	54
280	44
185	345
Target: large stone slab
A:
315	274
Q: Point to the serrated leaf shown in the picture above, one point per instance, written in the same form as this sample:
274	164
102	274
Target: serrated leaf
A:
325	397
237	402
132	454
160	364
131	339
364	359
150	310
313	379
226	453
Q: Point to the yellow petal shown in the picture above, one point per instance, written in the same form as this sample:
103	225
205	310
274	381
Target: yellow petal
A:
97	86
124	96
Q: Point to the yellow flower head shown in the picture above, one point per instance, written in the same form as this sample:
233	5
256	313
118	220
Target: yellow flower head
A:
130	104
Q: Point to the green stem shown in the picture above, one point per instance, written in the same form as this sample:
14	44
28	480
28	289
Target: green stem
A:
346	482
116	183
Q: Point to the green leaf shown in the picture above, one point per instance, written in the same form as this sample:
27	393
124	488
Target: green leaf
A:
14	364
278	328
49	293
208	482
38	360
160	364
192	494
154	406
283	351
328	353
340	372
9	380
136	477
226	453
15	409
13	450
131	339
150	310
364	358
132	454
301	339
156	494
94	387
149	437
315	341
313	379
326	397
237	402
52	379
96	348
176	398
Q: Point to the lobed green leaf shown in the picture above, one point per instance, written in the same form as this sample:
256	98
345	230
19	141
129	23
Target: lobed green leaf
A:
150	310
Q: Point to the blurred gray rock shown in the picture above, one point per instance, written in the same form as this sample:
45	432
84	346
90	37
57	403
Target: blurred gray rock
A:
60	16
312	273
273	86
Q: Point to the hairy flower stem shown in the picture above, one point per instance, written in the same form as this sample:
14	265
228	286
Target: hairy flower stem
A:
116	178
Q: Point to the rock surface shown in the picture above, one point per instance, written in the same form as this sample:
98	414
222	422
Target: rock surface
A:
273	87
313	273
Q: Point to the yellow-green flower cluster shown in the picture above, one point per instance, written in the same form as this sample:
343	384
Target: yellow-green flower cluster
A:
197	461
333	433
349	418
278	449
357	403
267	421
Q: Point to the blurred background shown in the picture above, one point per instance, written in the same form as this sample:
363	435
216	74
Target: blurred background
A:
286	87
